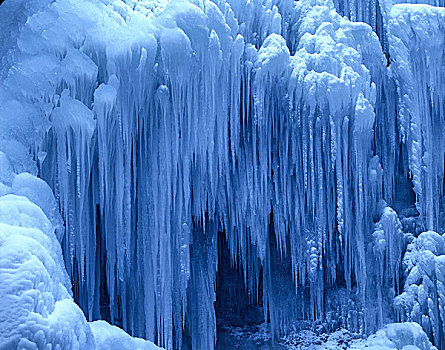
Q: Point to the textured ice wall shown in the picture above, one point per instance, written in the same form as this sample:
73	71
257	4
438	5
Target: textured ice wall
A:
376	13
417	45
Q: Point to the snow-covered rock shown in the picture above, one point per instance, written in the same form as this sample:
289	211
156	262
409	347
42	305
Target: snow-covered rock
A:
108	337
423	298
400	336
37	309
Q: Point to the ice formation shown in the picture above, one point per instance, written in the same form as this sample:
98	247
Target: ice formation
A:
37	308
408	335
311	142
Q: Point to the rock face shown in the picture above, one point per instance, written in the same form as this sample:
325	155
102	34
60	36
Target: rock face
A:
311	143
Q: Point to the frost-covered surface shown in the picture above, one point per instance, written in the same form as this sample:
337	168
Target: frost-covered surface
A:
37	309
376	12
417	43
396	336
424	294
400	336
158	124
108	337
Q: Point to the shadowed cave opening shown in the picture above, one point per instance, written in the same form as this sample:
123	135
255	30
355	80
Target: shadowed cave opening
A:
234	305
243	320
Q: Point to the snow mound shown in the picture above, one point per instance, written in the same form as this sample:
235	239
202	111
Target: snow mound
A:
109	337
400	336
37	309
423	298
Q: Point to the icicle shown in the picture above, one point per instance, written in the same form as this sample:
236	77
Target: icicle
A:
273	121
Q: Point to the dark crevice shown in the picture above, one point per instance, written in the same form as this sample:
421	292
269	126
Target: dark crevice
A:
234	306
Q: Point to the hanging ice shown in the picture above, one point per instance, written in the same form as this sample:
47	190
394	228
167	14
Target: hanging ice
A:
295	134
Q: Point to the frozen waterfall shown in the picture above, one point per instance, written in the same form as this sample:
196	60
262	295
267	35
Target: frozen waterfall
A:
299	144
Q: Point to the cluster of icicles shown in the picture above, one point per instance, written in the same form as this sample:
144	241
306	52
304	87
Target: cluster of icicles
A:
274	122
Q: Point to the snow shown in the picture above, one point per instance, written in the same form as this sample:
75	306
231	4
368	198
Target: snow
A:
38	192
273	56
423	295
400	336
37	307
403	336
108	337
313	142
